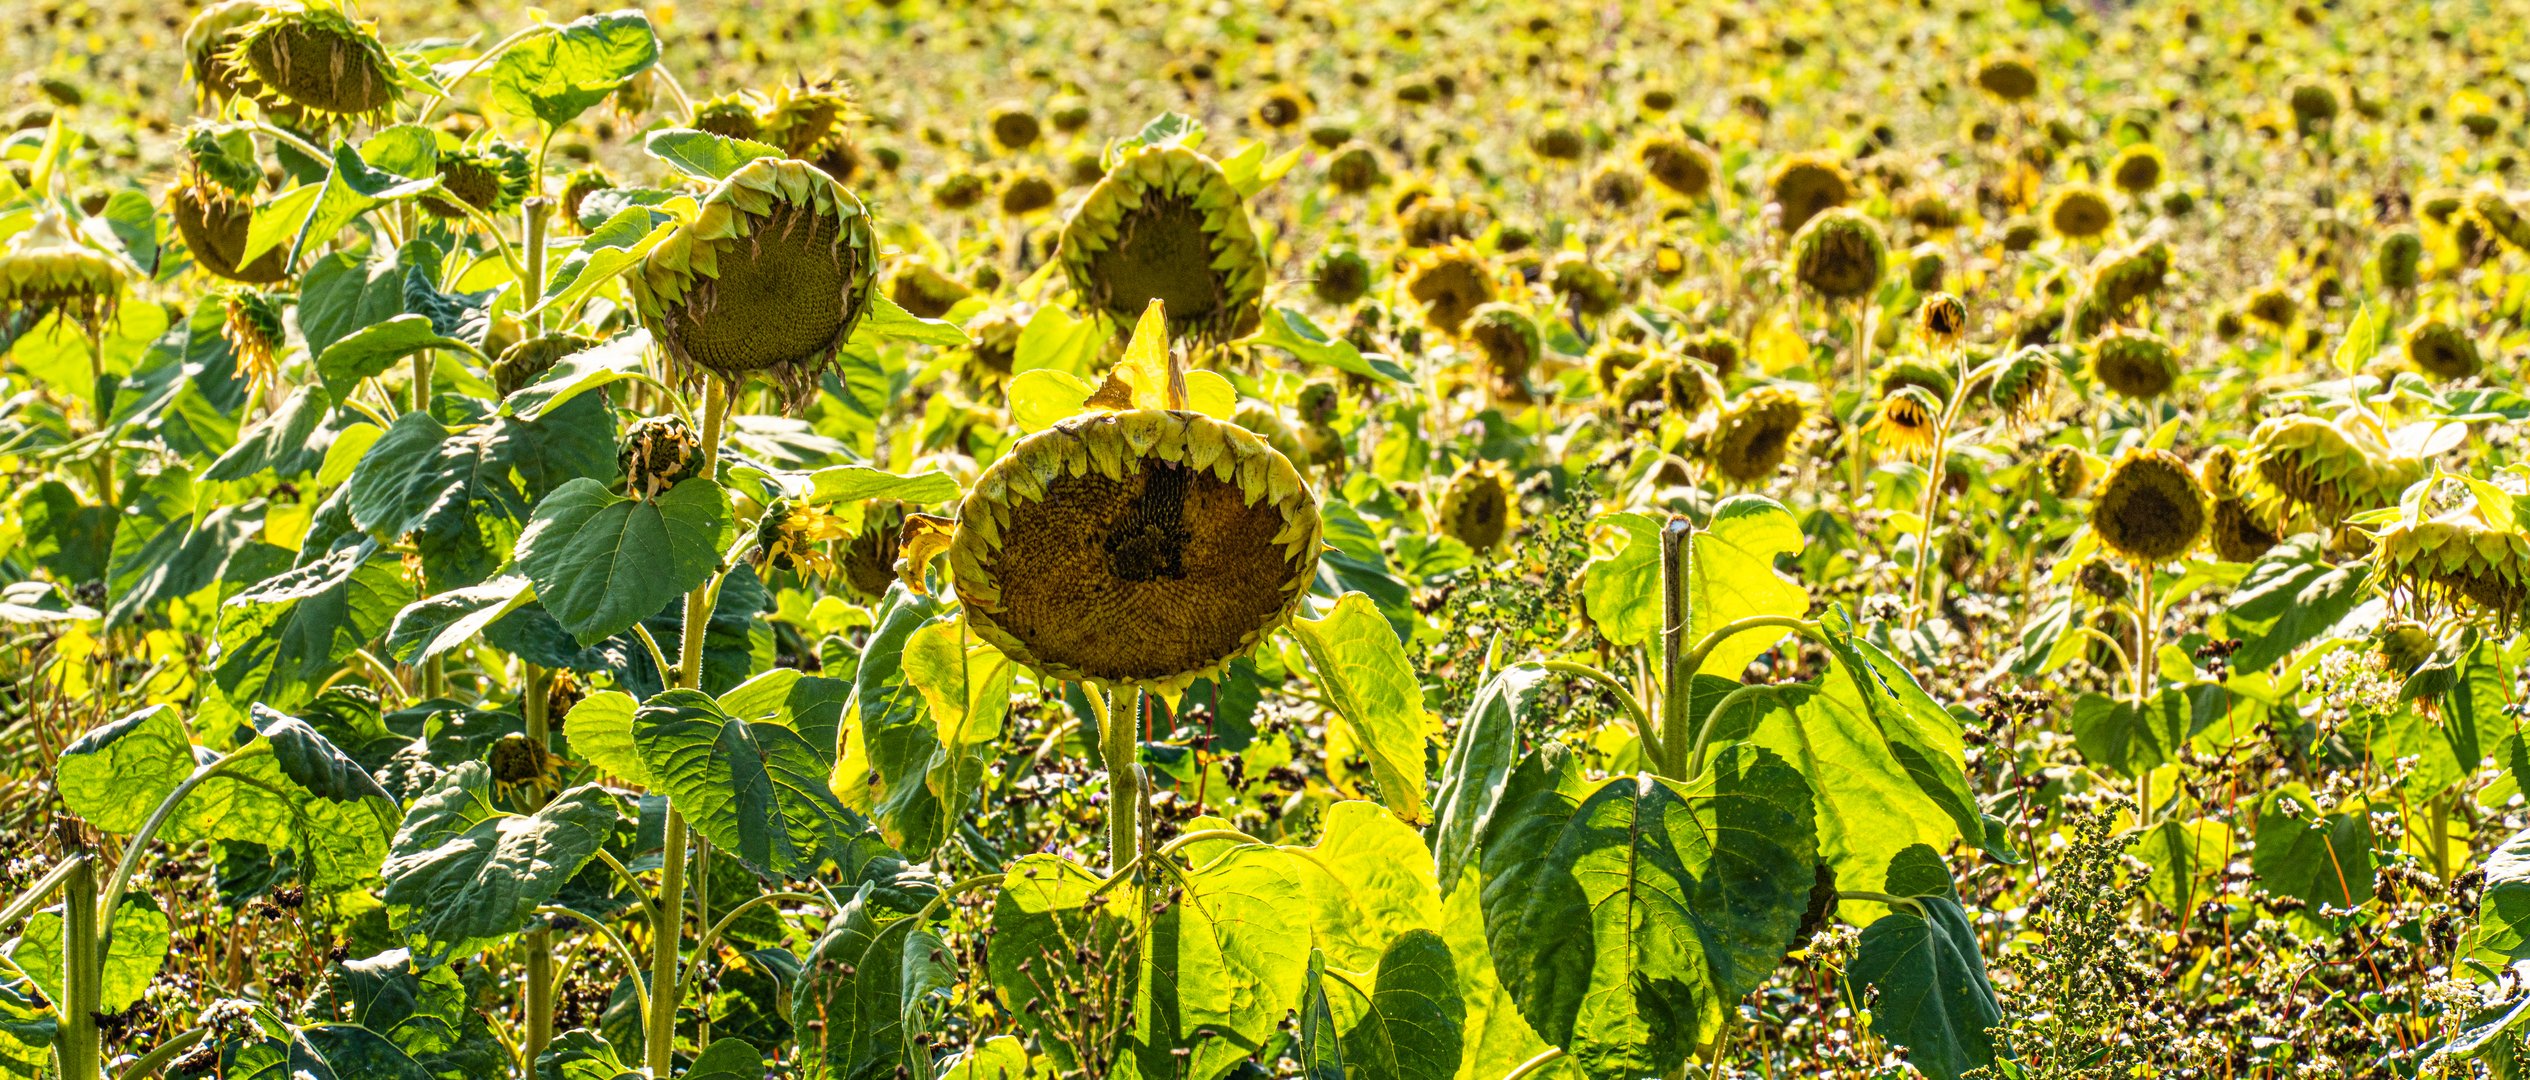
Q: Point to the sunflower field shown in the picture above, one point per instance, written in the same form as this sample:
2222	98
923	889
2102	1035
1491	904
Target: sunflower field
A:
1382	539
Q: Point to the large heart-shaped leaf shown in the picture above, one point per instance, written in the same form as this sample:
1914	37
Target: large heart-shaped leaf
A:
1363	669
1933	996
284	635
602	562
555	76
856	988
132	959
462	493
1368	880
754	787
1626	921
118	772
2313	857
1412	1027
462	875
1730	575
1221	964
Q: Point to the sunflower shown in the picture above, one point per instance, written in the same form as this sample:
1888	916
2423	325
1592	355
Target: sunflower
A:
2068	471
308	57
1754	434
1671	382
1476	508
1143	548
520	365
1354	170
2301	469
1166	225
1026	192
1716	347
793	536
491	177
1583	285
1508	340
1428	220
657	453
2119	280
1803	185
582	183
2455	563
208	39
924	289
2234	531
2079	212
2400	259
2314	104
2135	364
2025	388
770	275
48	265
732	116
523	770
813	122
2150	508
1943	318
1910	416
1677	164
213	219
868	565
992	345
1840	255
2009	77
2136	169
1339	275
1014	127
1616	186
2440	349
1449	282
250	322
1280	107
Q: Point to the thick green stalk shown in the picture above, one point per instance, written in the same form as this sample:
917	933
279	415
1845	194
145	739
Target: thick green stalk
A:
1121	745
659	1042
539	210
1677	673
75	1046
538	943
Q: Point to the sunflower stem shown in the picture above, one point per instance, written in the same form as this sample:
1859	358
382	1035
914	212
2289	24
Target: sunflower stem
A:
1677	672
659	1034
1858	455
1121	746
76	1048
538	943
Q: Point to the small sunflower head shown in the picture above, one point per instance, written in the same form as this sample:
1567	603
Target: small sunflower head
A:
770	276
214	221
2079	212
582	183
1014	126
924	289
868	565
2314	104
794	536
2134	364
1559	142
1926	266
2401	259
1339	275
1803	185
1716	347
208	39
1508	339
1450	283
2103	581
1431	221
2068	471
658	453
2403	645
1280	107
1318	401
2025	388
1909	420
2440	349
49	265
2150	509
522	766
1477	506
1142	548
2494	210
1669	382
492	177
2118	281
1677	164
992	345
1943	318
1755	433
2272	305
1583	284
960	189
1069	112
307	56
2137	169
1616	186
1166	225
1840	255
251	324
737	115
1354	169
812	121
2007	76
1610	360
520	365
1026	192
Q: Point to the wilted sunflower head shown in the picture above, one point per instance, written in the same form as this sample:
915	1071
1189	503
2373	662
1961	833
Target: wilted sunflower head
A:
582	183
1014	126
1802	185
1616	185
520	365
1477	506
658	453
1670	382
1716	347
1559	142
1141	548
214	31
491	176
2134	364
1754	433
738	115
1508	338
869	561
2440	349
2150	508
2454	564
214	221
1450	283
2068	471
2136	169
992	345
2236	534
1428	220
924	289
523	767
1943	318
770	276
2026	386
811	121
1909	419
2079	212
2103	581
1339	275
2304	469
251	324
48	265
2314	104
2007	76
1354	169
1610	360
1281	107
1166	225
306	55
2118	280
2273	306
1676	163
794	535
1026	192
2494	210
1840	254
2403	646
2401	258
1583	284
1926	266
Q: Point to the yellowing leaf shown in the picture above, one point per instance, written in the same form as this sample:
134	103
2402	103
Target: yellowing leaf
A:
1145	366
1042	398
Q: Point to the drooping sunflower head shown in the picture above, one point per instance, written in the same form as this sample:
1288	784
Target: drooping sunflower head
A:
1477	506
2103	581
2150	508
1943	318
2272	305
1840	255
2010	77
869	561
491	176
2494	212
2303	469
658	453
738	115
1509	341
1610	360
214	31
1166	225
2079	212
992	345
1143	548
1755	433
523	768
2403	646
49	265
2136	169
1926	266
251	324
520	365
924	289
1667	381
814	121
2026	387
2236	534
2314	104
770	277
2400	258
1429	220
307	56
2119	280
1450	283
2134	364
1559	142
214	220
1026	192
1803	185
1280	107
1014	126
1354	170
1677	164
1339	275
2440	349
1716	347
1583	284
2455	564
1616	185
1909	418
2068	471
582	183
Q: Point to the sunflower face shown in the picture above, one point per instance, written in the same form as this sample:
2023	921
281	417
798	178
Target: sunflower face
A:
2302	469
1026	193
2440	349
312	58
657	453
1476	507
1943	318
47	265
1674	163
771	276
2150	508
1508	338
208	39
1804	185
2011	78
2456	563
1143	548
2079	212
1014	127
1840	255
2068	471
1339	275
2136	169
1354	170
1166	225
1909	418
1450	284
1753	436
213	222
2134	364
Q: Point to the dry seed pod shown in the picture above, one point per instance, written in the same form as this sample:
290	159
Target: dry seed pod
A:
1754	434
307	56
2150	508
